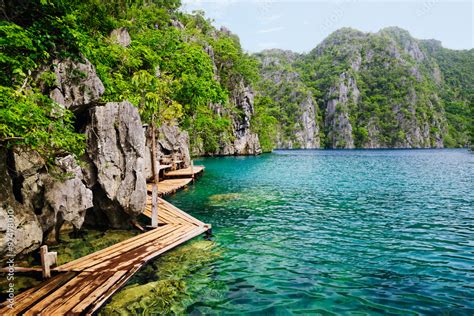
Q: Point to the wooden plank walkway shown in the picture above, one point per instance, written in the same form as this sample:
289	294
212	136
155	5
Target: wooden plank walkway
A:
82	286
186	172
170	186
164	167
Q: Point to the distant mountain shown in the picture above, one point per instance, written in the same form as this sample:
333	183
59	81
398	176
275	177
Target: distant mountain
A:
370	90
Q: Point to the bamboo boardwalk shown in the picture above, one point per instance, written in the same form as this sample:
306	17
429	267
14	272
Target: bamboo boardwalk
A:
186	172
170	186
82	286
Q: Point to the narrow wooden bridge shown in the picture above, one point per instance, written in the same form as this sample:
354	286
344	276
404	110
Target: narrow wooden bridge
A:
176	180
82	286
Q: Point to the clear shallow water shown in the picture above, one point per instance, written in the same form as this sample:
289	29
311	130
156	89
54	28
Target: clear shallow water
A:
338	232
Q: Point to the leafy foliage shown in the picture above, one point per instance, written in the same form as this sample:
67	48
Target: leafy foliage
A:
168	72
265	123
32	119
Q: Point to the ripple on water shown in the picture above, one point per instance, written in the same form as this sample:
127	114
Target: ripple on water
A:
338	232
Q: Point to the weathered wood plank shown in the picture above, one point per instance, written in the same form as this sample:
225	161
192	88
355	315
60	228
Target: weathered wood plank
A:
29	297
136	255
186	172
57	294
90	310
100	274
180	213
113	252
170	186
182	239
139	239
99	283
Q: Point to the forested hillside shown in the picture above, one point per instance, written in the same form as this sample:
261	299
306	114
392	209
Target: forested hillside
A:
355	89
175	67
92	93
370	90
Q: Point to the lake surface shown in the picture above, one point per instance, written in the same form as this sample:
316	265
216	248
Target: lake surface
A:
337	232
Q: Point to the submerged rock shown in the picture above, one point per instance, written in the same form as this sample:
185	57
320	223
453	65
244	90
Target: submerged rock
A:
225	197
168	282
116	149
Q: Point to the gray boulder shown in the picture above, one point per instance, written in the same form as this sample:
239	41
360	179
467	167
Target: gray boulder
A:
57	197
68	199
77	84
116	148
20	231
120	36
171	142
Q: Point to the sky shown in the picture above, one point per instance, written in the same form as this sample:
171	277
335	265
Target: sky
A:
302	24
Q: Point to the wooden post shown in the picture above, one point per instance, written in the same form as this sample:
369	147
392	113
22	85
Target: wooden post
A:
156	179
208	234
48	259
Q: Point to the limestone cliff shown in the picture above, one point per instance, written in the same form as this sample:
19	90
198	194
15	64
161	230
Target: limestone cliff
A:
39	198
239	139
373	90
297	108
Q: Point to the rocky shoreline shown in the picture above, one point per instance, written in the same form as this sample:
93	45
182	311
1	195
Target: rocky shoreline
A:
106	187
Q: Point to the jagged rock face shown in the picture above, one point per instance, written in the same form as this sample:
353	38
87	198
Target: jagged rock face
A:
171	142
57	197
406	124
378	97
121	36
177	24
418	132
70	198
246	142
175	142
78	85
116	148
404	40
242	141
20	231
337	113
285	87
307	135
374	90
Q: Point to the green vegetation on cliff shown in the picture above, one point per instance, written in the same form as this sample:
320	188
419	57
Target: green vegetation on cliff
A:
374	90
457	92
355	89
175	66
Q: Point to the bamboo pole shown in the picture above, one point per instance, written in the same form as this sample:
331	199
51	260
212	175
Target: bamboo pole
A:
156	179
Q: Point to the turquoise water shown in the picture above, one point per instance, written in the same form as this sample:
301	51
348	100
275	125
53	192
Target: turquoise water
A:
337	232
